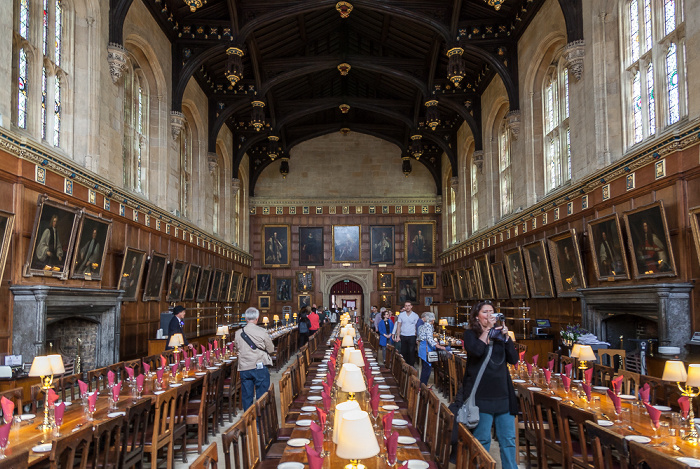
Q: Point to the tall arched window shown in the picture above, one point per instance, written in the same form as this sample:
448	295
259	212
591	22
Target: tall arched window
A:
474	193
185	169
216	197
453	216
136	99
557	135
654	60
504	176
23	24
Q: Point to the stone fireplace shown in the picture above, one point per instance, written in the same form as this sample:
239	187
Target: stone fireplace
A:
61	315
639	312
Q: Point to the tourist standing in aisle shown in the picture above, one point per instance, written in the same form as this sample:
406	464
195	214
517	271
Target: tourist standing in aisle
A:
406	333
254	347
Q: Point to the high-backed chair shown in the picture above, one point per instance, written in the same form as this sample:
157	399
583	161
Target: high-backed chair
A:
134	434
268	428
549	426
614	358
196	409
609	448
630	382
430	437
182	399
214	391
209	459
530	426
160	433
232	391
443	444
106	443
15	395
71	450
577	451
470	453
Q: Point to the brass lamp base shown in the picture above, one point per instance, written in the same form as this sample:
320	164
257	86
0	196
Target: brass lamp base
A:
693	436
351	396
355	464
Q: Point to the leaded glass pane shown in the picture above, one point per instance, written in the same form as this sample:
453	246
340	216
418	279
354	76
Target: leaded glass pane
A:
22	90
44	98
45	26
550	107
652	101
568	153
637	107
59	28
669	16
57	112
634	29
647	25
566	92
672	80
24	18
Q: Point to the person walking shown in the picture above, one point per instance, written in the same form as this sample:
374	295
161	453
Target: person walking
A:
385	327
427	344
254	347
406	333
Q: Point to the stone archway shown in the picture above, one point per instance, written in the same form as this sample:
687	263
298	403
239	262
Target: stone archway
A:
363	277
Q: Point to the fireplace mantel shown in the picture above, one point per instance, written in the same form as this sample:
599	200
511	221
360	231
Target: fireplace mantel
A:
33	304
666	303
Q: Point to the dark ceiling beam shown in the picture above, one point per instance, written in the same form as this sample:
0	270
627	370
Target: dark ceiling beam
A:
302	27
573	17
434	55
233	14
444	146
217	122
385	28
117	14
454	25
504	72
254	54
183	73
473	121
334	103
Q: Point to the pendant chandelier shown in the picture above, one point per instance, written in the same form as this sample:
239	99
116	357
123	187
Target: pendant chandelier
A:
257	116
284	166
234	65
345	131
432	114
496	4
406	165
455	66
273	148
344	108
344	68
344	8
416	146
194	4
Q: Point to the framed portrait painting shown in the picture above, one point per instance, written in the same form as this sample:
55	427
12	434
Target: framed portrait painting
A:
224	287
537	265
283	289
472	284
190	289
91	248
155	277
53	238
386	300
264	302
247	289
177	281
275	239
234	290
215	286
419	243
305	281
500	286
203	285
566	263
7	222
454	280
694	226
484	277
649	242
428	280
346	243
515	271
385	281
263	283
381	239
303	301
607	249
131	273
407	290
311	245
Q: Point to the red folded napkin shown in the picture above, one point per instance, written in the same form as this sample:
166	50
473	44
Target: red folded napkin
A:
374	403
550	365
52	398
173	369
567	382
326	401
317	436
129	372
654	414
683	401
139	383
387	421
374	390
617	402
115	392
522	355
326	387
322	415
110	377
8	409
529	368
587	390
209	346
617	384
92	400
588	375
146	368
216	344
58	413
644	392
208	355
392	443
535	358
188	363
200	359
547	376
203	349
163	362
230	347
83	387
5	433
567	369
315	460
370	380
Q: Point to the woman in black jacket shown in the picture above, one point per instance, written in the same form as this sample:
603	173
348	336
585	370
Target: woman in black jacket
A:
304	325
495	395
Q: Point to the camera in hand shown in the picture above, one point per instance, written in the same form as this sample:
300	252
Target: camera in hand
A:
497	334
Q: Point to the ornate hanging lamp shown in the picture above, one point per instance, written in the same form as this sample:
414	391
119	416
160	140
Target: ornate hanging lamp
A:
455	67
345	131
344	8
284	166
257	116
416	146
406	165
496	4
344	108
432	114
344	68
273	148
194	4
234	65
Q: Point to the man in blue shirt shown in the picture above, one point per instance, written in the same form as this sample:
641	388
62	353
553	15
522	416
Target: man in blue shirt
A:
406	333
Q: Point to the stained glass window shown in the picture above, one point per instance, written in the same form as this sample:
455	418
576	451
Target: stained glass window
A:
185	165
504	170
650	98
44	102
45	26
647	25
550	106
57	112
634	29
58	31
556	138
637	107
139	143
672	80
474	197
453	216
568	153
669	16
22	90
566	92
24	18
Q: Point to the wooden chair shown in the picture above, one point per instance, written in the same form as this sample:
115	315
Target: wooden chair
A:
553	356
412	394
549	426
97	379
72	450
153	361
607	356
135	364
266	409
160	433
563	361
226	369
630	382
422	413
106	443
470	453
609	448
15	395
232	391
241	443
643	457
443	441
196	410
182	400
209	459
36	395
429	437
214	390
17	461
529	423
602	375
390	350
577	452
68	387
286	398
134	433
452	373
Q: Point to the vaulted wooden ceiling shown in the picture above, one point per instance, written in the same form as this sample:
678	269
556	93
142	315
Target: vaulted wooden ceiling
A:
396	50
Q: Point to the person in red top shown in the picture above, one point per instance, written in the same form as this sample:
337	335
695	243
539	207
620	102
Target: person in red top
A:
314	320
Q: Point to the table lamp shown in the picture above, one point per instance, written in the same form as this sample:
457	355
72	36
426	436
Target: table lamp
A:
340	410
356	439
222	331
46	366
286	317
353	382
265	322
294	316
275	318
585	354
351	332
341	374
511	334
356	358
346	353
443	322
575	351
347	342
674	370
176	340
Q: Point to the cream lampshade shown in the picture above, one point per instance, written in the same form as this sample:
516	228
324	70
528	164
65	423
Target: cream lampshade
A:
356	358
40	366
56	362
275	318
693	379
341	332
343	370
357	440
346	354
353	382
351	332
176	340
575	351
586	353
286	316
674	370
442	322
511	334
340	410
265	320
347	342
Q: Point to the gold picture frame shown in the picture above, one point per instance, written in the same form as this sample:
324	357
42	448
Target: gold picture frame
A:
419	243
385	281
567	265
538	273
649	242
7	223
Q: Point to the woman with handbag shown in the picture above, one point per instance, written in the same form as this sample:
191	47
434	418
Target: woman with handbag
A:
426	349
385	327
487	390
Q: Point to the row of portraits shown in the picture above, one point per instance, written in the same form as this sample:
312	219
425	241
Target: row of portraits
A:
525	271
419	245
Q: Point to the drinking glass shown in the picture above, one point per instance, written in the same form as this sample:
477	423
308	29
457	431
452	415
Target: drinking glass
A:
3	445
656	428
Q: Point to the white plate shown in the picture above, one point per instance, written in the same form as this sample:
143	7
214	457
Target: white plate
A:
188	379
399	422
390	407
314	398
605	423
692	462
386	397
317	380
175	385
290	465
115	414
156	393
406	440
383	386
321	375
325	360
316	388
27	416
629	397
379	379
534	388
212	368
298	442
518	380
376	372
304	423
308	408
200	373
556	398
662	408
638	438
417	464
45	448
600	388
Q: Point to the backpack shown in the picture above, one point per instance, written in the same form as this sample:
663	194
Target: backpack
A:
303	327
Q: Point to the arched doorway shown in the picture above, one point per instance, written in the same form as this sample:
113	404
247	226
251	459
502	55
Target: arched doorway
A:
347	293
363	277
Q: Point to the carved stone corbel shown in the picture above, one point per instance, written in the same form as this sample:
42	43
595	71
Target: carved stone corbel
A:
177	123
213	160
573	55
454	182
116	57
235	185
478	160
514	123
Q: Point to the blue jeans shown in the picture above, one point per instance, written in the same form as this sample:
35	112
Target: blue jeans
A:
505	433
253	383
425	370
